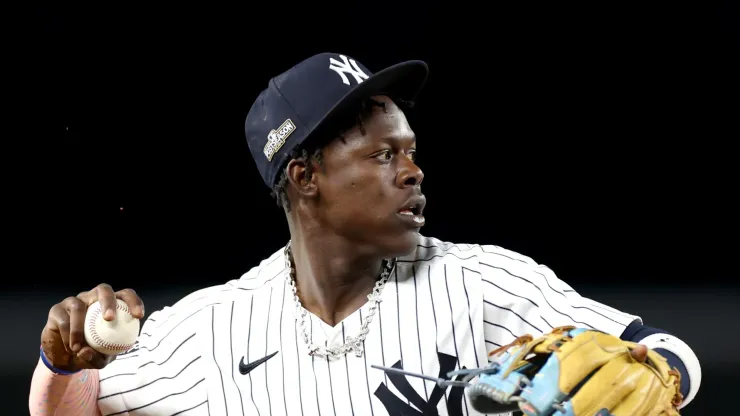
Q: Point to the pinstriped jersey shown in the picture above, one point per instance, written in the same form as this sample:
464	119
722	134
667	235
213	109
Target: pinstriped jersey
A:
236	348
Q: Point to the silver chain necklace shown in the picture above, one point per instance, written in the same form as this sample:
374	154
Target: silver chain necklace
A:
353	344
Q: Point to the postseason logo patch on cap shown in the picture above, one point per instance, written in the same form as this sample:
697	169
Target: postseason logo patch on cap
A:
276	138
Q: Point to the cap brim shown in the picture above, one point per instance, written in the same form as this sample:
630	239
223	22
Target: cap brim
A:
403	80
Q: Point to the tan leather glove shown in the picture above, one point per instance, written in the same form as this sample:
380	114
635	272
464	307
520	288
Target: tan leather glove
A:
580	372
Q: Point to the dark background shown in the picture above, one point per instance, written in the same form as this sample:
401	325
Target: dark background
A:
595	138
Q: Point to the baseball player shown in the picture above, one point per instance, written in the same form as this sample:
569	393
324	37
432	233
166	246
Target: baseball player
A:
359	313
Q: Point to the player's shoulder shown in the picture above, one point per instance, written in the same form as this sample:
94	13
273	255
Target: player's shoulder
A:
250	284
268	272
432	249
485	259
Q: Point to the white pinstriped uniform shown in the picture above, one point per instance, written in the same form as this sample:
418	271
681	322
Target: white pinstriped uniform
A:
445	306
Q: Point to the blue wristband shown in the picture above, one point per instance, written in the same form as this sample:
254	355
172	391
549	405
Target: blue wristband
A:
51	367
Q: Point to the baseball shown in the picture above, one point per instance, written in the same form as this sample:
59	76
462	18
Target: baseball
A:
110	337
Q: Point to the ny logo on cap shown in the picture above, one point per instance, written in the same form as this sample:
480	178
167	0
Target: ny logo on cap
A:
276	138
347	66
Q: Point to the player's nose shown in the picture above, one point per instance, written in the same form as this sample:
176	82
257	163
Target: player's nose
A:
409	175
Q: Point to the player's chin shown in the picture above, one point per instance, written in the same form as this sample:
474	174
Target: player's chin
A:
402	243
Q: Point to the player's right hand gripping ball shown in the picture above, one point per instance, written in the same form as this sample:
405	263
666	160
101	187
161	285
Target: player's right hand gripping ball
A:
581	372
110	337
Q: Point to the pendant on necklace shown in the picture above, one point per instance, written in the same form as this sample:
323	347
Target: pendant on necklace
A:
355	345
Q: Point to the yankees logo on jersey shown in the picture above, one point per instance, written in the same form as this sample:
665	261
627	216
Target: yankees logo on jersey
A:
443	308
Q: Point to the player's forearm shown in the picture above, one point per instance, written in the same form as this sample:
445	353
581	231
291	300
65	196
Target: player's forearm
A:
63	395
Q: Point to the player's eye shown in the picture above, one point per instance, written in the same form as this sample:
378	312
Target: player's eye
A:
384	155
412	155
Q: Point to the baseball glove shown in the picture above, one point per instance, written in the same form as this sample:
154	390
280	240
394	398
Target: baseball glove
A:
578	372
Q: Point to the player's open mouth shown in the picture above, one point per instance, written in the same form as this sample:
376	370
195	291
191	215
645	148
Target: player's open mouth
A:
412	213
413	209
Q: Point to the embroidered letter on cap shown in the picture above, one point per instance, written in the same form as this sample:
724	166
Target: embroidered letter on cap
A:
347	66
276	138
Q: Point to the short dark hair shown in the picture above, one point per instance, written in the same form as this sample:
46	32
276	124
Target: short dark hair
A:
310	151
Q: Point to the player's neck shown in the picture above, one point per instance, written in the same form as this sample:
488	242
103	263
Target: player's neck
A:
333	279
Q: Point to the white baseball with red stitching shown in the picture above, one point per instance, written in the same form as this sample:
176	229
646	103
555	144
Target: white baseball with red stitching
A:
111	337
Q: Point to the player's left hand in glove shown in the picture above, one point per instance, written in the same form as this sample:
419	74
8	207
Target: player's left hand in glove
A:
579	372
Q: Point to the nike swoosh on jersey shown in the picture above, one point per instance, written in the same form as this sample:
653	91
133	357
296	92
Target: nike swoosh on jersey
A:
246	368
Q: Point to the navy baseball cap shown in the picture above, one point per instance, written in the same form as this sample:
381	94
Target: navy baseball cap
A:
302	99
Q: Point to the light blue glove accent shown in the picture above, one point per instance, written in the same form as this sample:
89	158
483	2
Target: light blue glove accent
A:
544	391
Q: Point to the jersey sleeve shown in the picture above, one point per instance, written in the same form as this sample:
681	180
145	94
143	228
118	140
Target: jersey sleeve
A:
164	372
522	297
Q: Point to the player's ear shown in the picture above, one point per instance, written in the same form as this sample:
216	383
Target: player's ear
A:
298	176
